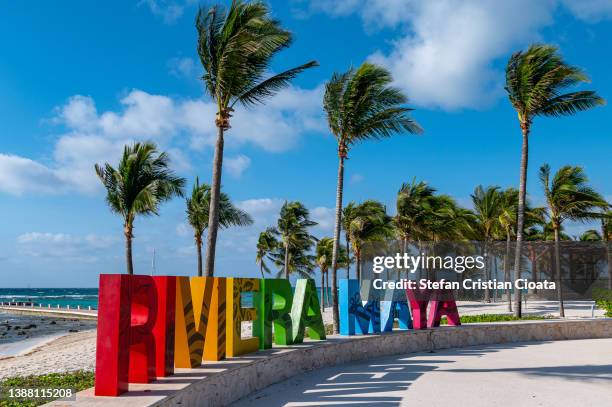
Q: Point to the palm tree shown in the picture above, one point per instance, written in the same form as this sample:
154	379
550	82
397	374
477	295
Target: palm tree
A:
198	206
348	214
140	183
507	222
361	105
323	258
370	224
235	48
299	261
568	196
266	245
534	217
590	235
535	82
487	208
323	255
292	228
412	206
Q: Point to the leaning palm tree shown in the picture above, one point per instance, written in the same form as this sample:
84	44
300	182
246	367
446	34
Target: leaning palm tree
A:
235	48
487	205
371	224
198	206
568	196
266	244
361	105
348	214
412	205
535	82
292	228
140	183
323	258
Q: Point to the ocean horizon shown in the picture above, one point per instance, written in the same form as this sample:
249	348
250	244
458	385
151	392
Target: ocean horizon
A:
85	297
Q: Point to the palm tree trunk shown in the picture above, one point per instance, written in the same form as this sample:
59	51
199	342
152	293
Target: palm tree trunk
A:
348	258
127	230
335	311
609	253
287	261
604	237
199	246
520	222
534	271
322	291
507	271
487	271
358	266
327	287
213	217
558	273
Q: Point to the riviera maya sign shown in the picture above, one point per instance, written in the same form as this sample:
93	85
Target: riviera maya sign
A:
148	325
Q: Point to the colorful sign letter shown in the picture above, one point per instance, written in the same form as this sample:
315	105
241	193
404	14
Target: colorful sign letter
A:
306	312
273	303
237	346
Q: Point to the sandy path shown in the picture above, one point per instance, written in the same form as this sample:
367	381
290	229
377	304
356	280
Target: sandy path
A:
71	352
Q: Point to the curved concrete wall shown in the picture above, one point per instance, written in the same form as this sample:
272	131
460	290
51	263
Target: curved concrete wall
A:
219	384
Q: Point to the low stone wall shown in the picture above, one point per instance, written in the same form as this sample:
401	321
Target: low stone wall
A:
219	384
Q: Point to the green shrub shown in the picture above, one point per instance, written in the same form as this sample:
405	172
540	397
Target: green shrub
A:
468	319
603	300
80	380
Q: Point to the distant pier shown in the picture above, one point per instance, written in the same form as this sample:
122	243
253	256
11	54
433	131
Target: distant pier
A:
26	307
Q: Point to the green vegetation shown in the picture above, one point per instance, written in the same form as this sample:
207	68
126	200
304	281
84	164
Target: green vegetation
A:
468	319
323	259
361	105
288	245
80	380
236	47
198	206
535	81
140	183
603	300
568	196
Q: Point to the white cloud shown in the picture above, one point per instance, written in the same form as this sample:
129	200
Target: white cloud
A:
65	246
93	137
183	67
20	175
590	10
170	11
356	178
183	229
325	218
236	165
447	52
263	210
446	59
274	126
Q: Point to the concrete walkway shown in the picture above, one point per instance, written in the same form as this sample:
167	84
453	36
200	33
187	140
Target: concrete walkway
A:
561	373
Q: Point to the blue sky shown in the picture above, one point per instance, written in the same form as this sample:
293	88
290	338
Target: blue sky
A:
78	80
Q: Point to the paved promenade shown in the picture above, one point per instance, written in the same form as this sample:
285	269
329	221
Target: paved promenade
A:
561	373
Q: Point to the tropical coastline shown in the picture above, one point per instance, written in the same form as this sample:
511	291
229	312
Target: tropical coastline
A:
228	180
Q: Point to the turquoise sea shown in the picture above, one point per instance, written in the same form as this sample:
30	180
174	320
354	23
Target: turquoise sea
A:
55	296
70	296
